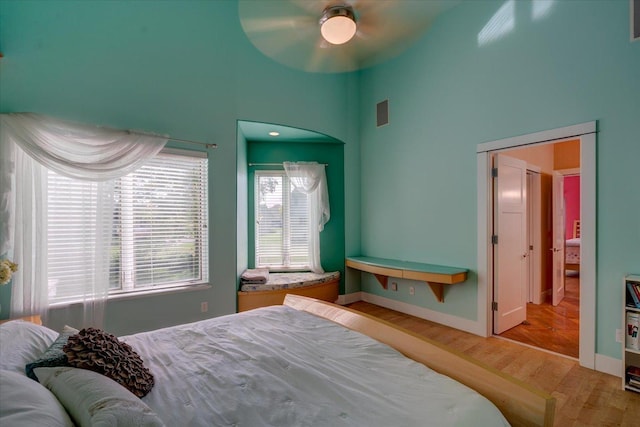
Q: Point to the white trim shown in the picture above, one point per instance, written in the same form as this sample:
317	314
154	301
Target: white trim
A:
552	135
349	298
586	133
456	322
568	172
535	233
588	250
485	252
608	365
535	168
120	296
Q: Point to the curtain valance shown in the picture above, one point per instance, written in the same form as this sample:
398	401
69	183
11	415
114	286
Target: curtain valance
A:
79	151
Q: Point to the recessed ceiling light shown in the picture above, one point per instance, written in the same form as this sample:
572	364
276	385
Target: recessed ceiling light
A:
274	133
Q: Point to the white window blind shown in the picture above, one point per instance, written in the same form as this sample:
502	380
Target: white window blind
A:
282	223
158	235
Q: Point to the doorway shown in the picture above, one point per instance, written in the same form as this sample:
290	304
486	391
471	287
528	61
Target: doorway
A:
586	133
550	291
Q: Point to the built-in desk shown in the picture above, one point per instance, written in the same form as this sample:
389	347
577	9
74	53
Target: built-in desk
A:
436	276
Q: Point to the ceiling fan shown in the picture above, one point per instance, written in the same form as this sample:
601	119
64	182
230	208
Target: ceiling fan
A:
336	35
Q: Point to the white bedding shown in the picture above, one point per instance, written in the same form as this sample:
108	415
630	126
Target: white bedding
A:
572	251
277	366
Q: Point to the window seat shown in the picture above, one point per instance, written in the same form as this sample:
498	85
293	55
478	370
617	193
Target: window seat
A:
323	286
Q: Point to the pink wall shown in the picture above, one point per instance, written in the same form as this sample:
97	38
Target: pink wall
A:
571	202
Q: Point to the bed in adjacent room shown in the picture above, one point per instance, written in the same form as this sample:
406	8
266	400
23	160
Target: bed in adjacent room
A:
572	249
305	363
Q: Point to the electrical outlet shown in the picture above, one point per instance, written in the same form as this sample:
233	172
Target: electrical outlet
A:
394	286
412	290
619	335
204	307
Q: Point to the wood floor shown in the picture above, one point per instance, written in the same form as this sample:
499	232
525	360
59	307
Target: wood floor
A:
553	328
584	397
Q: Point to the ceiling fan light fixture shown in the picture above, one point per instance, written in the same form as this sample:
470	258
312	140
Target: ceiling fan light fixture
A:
338	24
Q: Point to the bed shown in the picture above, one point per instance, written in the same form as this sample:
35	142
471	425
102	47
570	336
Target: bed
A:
572	249
305	363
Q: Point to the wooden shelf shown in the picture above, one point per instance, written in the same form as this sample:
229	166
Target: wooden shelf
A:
436	276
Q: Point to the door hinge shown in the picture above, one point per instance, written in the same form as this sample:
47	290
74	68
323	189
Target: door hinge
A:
494	306
494	239
494	172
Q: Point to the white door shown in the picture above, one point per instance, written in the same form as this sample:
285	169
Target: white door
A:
558	239
511	250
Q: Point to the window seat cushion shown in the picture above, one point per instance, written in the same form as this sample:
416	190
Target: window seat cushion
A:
279	281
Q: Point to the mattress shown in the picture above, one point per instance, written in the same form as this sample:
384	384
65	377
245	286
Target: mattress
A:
277	366
572	251
292	281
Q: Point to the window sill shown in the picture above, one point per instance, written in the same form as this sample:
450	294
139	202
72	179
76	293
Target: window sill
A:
122	296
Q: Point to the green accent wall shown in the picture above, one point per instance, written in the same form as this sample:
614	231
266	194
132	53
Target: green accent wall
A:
332	238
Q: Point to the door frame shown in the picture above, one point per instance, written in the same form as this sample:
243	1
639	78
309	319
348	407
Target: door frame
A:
534	198
558	239
586	133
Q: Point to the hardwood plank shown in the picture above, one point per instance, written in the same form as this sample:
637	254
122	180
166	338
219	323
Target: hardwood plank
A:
556	328
583	397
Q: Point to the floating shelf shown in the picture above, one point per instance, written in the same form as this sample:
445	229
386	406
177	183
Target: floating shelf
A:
436	276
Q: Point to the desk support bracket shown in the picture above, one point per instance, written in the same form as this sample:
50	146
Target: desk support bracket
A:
382	279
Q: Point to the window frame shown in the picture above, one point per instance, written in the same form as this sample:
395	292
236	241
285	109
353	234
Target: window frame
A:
203	282
286	221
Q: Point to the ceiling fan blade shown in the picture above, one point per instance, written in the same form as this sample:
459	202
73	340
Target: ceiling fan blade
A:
289	31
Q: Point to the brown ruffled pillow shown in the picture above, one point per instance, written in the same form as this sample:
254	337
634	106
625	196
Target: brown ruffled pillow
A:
101	352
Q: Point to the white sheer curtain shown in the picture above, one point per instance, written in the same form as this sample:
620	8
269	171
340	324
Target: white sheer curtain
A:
30	144
310	177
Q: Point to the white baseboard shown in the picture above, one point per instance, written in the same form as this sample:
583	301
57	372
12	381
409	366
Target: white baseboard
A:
465	325
608	365
349	298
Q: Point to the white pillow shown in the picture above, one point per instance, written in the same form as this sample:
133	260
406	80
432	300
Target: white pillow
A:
24	402
95	400
23	342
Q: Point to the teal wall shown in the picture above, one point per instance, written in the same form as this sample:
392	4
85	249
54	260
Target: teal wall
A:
332	238
184	68
187	69
448	93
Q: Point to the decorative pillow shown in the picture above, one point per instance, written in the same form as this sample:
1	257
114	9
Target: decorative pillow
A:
95	400
53	356
101	352
21	342
24	402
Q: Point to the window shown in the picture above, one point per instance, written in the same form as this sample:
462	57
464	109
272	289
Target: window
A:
282	223
156	233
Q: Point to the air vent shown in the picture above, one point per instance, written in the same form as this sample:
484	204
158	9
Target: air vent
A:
635	19
382	113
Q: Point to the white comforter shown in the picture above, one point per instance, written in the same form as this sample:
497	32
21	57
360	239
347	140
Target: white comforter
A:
277	366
